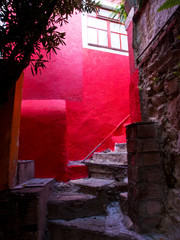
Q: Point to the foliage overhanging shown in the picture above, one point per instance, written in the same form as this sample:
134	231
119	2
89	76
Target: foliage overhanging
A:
28	26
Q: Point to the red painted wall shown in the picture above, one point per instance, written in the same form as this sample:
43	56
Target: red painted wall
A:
133	90
43	137
96	87
105	102
62	79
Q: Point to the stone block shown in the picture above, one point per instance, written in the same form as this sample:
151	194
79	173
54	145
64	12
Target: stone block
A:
143	145
148	159
142	130
120	147
154	175
131	146
148	145
148	224
154	207
26	210
154	190
114	157
71	205
147	131
25	171
107	171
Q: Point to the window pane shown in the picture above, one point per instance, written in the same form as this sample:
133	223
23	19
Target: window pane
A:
104	13
124	42
97	23
92	36
116	27
103	40
115	41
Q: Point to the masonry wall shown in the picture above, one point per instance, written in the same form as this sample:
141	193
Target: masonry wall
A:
159	73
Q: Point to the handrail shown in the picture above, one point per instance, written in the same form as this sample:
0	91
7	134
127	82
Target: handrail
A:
106	137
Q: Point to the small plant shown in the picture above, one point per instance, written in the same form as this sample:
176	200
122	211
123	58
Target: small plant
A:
140	88
169	4
120	12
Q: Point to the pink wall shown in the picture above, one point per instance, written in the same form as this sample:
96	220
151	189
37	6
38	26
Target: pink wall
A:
105	102
96	87
62	79
42	137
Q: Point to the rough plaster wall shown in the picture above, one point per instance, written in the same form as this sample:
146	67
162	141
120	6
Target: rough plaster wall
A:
62	78
149	24
105	103
43	137
160	100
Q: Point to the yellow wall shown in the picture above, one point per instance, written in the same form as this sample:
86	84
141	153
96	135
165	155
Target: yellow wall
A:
9	135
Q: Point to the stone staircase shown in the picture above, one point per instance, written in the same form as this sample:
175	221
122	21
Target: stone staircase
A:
94	207
109	164
89	208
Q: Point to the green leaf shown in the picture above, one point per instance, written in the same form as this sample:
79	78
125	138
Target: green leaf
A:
169	4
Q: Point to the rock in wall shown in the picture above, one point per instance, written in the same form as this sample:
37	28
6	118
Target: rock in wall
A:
159	72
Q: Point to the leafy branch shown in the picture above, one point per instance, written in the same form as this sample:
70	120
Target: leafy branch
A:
28	26
169	4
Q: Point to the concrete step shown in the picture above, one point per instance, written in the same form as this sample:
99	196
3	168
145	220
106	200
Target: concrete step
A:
105	190
85	229
69	205
25	171
92	185
120	147
97	228
112	171
115	157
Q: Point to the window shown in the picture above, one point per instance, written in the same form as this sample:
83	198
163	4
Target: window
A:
104	31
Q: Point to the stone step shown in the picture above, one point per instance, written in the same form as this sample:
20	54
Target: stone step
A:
69	205
116	157
105	190
96	228
25	171
92	185
112	171
120	147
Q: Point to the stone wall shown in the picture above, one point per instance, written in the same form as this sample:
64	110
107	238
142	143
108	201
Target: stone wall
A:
146	181
148	23
159	72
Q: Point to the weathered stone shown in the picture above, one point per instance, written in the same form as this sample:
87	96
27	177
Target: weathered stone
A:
154	207
92	185
70	205
120	157
112	171
25	171
23	212
120	147
123	199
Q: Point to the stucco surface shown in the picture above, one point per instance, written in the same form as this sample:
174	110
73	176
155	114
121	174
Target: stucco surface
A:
95	87
105	102
43	137
62	78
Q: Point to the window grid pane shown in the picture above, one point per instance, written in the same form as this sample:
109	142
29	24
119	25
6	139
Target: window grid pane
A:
115	40
103	38
104	32
92	36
